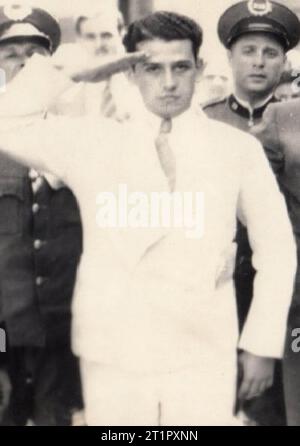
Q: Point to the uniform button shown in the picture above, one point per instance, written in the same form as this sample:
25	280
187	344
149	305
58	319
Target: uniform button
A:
37	244
29	380
39	281
35	208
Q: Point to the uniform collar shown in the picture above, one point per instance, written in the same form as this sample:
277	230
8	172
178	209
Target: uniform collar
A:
242	108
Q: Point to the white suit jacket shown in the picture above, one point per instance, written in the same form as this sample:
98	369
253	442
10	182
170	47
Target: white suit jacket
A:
152	299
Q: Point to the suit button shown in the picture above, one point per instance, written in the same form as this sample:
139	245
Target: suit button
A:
35	208
39	280
37	244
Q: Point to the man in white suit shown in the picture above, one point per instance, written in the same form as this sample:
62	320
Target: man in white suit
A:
157	333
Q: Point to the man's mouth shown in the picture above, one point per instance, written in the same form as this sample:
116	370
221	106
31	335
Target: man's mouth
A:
169	98
257	76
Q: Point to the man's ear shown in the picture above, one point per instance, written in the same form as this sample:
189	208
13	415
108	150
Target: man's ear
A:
287	64
229	56
200	65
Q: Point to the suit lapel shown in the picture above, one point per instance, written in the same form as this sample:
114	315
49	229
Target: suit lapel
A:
139	175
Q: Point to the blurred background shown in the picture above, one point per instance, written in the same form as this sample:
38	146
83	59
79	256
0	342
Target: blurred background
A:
217	74
205	12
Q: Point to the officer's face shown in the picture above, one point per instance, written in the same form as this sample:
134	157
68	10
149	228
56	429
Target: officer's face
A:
13	56
166	79
257	62
100	37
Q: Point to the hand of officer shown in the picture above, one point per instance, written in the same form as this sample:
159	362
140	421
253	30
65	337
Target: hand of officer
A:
257	375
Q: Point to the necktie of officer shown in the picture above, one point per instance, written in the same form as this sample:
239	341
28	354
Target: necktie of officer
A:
165	153
108	107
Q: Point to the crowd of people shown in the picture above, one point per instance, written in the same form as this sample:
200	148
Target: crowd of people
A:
133	324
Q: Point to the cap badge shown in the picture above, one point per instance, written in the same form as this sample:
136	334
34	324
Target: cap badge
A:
259	7
17	12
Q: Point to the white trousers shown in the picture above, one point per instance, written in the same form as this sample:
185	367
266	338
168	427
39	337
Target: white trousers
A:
183	398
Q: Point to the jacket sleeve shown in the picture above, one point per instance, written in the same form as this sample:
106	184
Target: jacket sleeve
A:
52	145
262	209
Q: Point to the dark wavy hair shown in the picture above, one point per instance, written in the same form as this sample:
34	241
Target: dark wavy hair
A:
166	26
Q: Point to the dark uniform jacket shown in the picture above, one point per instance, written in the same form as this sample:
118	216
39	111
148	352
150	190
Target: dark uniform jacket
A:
230	111
40	247
280	136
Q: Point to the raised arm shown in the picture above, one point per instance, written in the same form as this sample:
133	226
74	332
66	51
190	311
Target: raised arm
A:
47	145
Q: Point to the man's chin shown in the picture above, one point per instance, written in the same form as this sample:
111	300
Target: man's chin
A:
258	87
170	112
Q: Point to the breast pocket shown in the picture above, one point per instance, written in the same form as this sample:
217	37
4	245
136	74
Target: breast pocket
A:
11	199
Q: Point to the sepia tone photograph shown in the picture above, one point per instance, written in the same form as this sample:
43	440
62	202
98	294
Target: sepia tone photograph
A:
149	215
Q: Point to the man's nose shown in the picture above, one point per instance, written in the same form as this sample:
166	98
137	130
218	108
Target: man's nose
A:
259	59
169	80
100	44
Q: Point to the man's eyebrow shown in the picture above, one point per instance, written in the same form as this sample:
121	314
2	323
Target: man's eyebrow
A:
184	62
188	61
254	46
149	62
249	45
272	48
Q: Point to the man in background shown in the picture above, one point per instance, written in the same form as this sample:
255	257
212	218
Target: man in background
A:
99	40
257	36
40	246
280	135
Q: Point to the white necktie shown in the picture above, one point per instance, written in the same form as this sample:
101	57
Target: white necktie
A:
165	153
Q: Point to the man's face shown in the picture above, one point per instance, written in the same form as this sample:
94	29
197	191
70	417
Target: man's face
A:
100	37
13	56
166	80
257	62
287	91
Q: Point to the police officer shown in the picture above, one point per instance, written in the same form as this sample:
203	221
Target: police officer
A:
257	35
40	246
